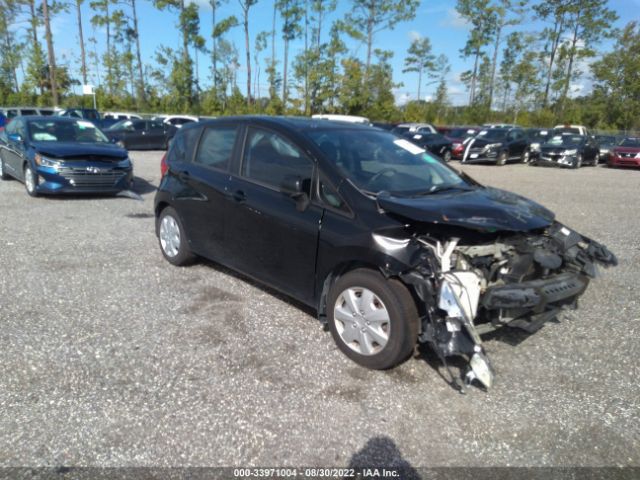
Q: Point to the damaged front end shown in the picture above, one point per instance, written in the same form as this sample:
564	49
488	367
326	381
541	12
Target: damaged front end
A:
515	279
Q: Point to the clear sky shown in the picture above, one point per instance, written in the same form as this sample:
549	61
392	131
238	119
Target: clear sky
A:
435	19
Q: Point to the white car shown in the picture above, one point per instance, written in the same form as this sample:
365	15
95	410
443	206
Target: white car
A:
120	116
571	129
179	120
342	118
405	128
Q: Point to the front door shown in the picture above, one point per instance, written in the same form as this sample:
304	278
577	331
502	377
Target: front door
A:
268	236
15	152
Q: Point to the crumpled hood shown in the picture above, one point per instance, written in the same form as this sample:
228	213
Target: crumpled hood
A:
79	150
483	208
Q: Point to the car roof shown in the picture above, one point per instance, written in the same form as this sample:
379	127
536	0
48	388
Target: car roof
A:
294	123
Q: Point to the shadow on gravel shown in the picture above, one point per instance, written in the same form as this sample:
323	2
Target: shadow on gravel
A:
382	453
265	288
141	186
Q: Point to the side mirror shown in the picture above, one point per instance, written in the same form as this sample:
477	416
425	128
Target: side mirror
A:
15	137
294	186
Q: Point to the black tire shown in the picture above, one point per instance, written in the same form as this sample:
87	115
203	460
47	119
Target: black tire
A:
183	255
3	172
502	159
578	161
402	312
30	181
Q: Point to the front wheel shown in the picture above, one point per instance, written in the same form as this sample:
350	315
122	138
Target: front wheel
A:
526	156
30	181
577	163
173	239
373	320
502	159
446	156
121	144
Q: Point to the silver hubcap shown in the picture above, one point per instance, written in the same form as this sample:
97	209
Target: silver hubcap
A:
169	236
28	180
362	320
1	167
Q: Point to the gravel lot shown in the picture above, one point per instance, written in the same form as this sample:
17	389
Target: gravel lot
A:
110	356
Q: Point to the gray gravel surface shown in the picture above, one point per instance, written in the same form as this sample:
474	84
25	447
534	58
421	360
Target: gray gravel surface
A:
110	356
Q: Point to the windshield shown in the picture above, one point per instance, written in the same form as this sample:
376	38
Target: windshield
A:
375	161
539	134
122	125
493	134
461	133
606	140
65	131
565	140
631	142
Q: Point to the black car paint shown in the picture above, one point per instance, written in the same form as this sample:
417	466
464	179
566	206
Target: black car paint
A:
262	233
147	134
433	142
588	148
513	143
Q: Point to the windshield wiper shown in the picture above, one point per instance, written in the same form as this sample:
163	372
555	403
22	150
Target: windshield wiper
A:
448	188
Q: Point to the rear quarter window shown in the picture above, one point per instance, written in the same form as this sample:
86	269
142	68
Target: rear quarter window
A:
183	145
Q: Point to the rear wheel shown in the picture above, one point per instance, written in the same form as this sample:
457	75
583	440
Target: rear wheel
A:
30	181
173	239
446	156
502	159
373	320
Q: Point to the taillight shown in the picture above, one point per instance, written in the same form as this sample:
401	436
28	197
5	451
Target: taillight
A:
163	165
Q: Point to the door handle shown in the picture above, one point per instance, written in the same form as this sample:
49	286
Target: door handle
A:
239	196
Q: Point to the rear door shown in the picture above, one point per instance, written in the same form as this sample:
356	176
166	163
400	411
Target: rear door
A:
268	237
138	136
155	135
204	179
517	143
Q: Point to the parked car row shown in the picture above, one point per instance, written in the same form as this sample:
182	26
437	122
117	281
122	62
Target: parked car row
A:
388	244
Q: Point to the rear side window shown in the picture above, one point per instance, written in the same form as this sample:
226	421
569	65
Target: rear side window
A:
270	158
183	144
216	147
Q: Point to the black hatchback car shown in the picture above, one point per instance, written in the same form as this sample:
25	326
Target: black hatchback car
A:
498	145
388	244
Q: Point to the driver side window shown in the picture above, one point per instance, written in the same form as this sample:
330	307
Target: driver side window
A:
269	159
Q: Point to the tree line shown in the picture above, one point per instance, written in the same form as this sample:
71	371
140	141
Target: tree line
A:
515	73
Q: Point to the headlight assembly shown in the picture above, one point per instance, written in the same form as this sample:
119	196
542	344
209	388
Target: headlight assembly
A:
46	162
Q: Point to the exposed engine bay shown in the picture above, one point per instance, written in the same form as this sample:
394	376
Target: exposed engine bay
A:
513	279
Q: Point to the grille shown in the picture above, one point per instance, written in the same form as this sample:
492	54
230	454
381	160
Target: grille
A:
627	155
80	177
